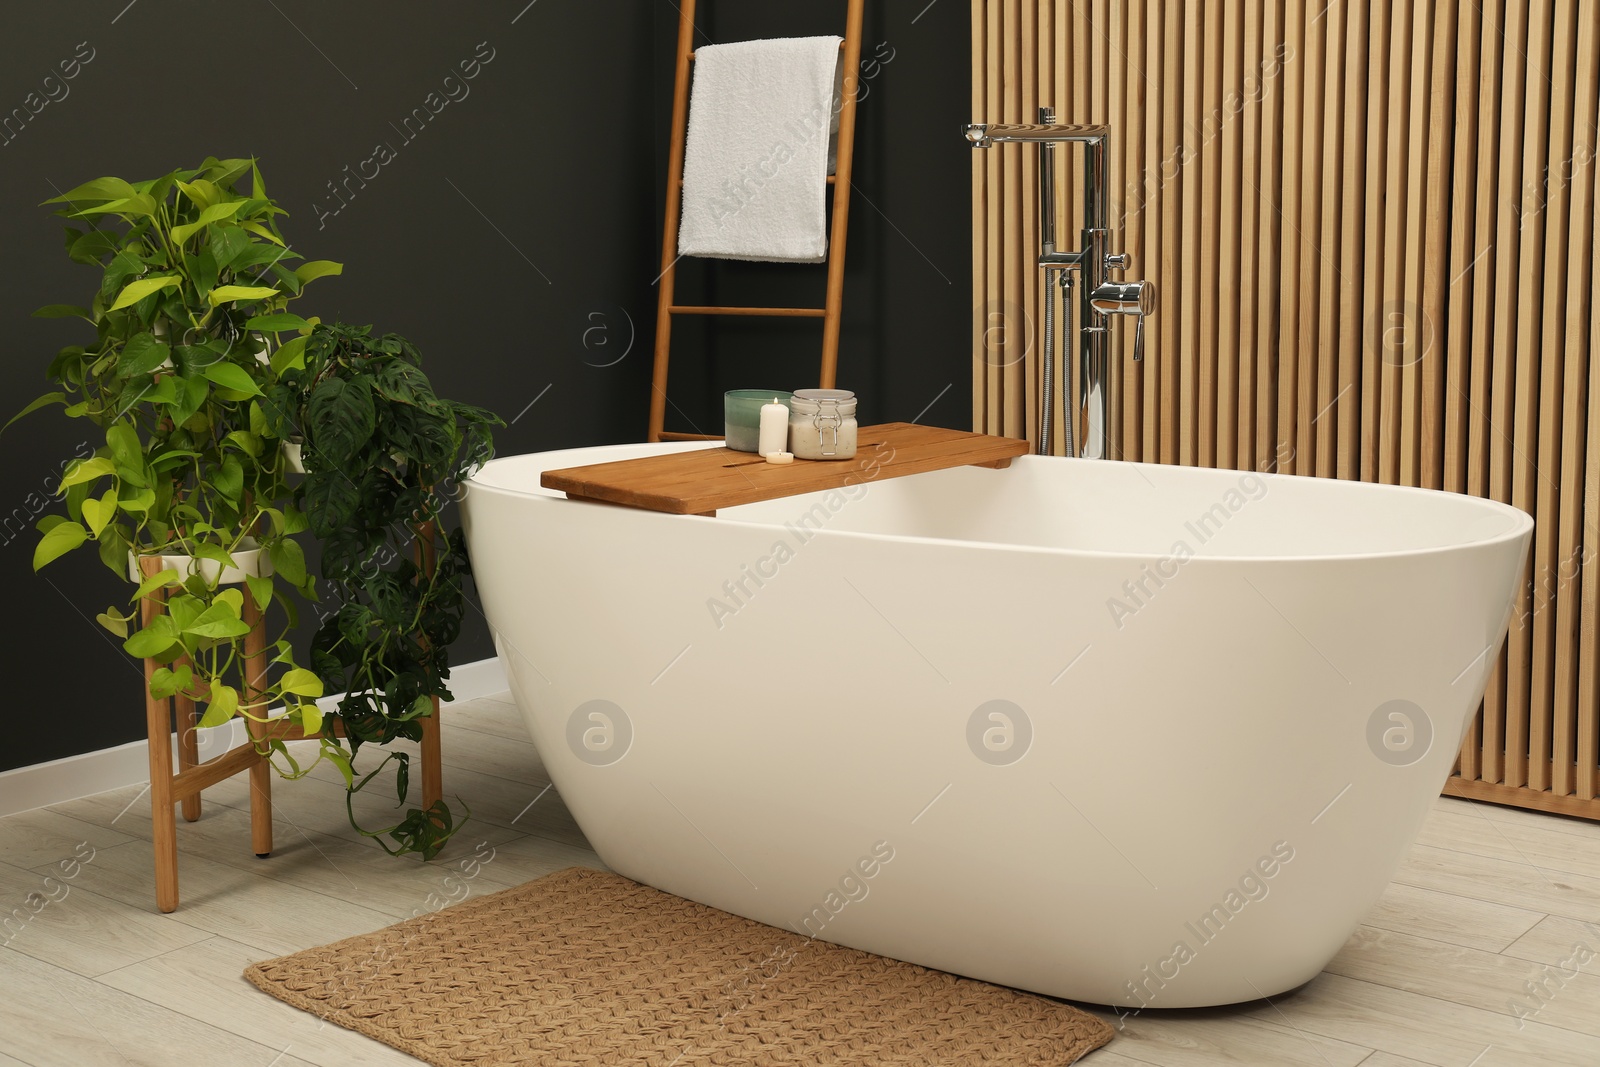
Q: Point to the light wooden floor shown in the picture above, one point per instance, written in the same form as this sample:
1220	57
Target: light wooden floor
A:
1489	899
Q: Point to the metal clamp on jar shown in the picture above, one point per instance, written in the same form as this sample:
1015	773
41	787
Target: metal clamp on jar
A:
822	424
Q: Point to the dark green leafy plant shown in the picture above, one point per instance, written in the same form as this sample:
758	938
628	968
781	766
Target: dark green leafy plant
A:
382	454
194	281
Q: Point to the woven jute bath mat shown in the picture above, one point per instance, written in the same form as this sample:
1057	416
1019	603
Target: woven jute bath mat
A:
587	967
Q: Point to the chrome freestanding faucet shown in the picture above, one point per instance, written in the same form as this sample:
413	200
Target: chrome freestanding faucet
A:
1099	297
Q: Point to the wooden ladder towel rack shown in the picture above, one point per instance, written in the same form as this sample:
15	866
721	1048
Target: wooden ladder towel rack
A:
830	312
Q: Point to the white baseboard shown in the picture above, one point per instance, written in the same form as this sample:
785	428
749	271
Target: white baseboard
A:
71	777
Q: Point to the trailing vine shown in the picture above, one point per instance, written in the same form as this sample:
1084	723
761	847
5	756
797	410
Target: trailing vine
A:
383	454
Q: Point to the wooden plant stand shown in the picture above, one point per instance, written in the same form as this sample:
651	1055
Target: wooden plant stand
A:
184	788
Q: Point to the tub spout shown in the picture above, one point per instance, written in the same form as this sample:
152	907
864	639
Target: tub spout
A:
1100	297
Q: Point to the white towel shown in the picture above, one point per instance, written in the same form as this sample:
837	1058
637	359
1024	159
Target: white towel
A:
761	122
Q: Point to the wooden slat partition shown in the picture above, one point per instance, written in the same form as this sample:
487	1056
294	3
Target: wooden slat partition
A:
1372	226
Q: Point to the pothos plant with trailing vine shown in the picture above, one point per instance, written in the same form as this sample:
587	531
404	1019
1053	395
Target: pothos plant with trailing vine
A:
195	279
383	454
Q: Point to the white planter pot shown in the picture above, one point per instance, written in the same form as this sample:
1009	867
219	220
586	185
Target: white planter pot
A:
292	457
250	560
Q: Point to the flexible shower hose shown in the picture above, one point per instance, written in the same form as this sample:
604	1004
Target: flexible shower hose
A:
1049	383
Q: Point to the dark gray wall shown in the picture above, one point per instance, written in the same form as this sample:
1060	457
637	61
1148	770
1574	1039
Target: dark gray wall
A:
514	238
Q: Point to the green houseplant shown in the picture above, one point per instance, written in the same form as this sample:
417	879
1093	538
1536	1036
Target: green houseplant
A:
382	454
195	278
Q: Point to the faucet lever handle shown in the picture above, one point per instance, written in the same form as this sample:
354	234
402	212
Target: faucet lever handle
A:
1118	261
1138	339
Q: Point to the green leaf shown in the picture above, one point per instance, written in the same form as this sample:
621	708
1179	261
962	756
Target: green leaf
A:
261	231
214	213
229	479
260	590
301	682
276	322
340	416
123	440
232	376
163	393
215	553
87	470
227	242
317	268
222	706
341	760
223	294
140	500
291	355
63	311
310	719
154	640
195	391
45	401
99	189
98	512
184	608
331	499
200	192
117	624
158	580
203	269
141	355
289	560
93	247
134	474
143	287
246	442
216	622
165	682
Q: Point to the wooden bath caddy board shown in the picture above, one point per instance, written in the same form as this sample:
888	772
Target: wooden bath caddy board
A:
701	481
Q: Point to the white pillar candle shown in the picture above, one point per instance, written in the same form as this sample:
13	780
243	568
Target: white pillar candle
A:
774	428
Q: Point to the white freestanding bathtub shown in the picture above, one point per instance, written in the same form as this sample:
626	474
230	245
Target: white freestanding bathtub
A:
1114	732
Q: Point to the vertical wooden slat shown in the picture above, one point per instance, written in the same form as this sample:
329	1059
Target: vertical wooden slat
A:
1251	208
1312	249
1151	192
1436	244
1460	413
1321	418
1189	263
1418	328
1123	405
1172	297
1229	281
1207	134
1495	271
1346	412
981	229
1578	185
1376	251
1269	188
1135	83
1294	70
1525	731
1588	728
1544	751
1018	276
1395	315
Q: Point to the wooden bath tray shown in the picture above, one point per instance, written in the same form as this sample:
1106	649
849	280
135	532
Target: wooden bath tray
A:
701	481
